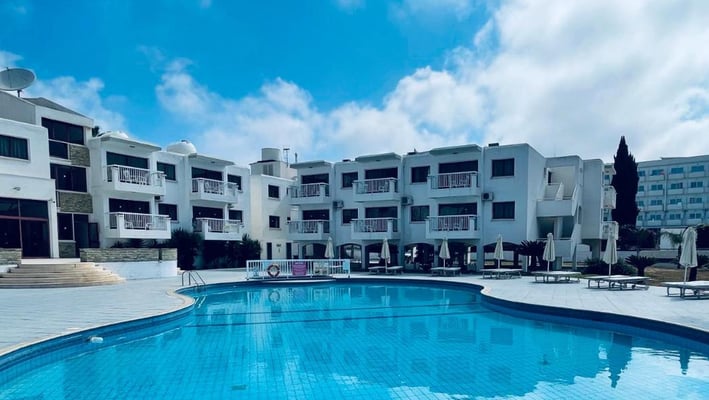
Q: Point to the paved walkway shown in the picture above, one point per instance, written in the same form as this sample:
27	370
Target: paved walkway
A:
30	315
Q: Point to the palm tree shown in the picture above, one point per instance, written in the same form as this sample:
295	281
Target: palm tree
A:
534	249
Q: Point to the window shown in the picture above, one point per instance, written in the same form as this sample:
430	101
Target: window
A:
207	212
694	215
419	174
14	147
235	179
674	216
654	217
697	168
503	210
641	173
68	178
128	161
63	132
696	184
677	170
274	222
168	170
676	185
419	213
58	149
65	226
695	200
640	217
348	215
641	188
657	186
380	212
381	173
458	209
169	210
274	192
504	167
348	178
640	203
236	215
128	206
656	202
317	215
461	166
206	174
657	172
315	178
675	201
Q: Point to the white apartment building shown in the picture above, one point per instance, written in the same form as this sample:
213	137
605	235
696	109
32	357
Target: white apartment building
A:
270	211
466	194
672	192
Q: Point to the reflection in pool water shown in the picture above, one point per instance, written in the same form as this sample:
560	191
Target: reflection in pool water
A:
368	341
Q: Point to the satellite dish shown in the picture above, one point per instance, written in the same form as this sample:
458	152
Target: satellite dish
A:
16	79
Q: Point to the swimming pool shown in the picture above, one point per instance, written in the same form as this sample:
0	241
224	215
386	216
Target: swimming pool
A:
358	340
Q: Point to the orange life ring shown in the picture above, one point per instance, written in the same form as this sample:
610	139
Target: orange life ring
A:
273	270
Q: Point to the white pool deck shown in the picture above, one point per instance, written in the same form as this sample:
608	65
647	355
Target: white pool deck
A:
31	315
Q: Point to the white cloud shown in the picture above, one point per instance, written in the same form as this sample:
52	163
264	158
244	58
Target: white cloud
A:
350	5
426	9
83	97
8	59
571	77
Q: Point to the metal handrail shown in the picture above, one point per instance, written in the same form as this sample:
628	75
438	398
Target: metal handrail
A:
193	276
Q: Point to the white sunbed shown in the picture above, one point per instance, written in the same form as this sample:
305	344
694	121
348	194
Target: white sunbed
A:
504	273
698	288
620	281
557	276
443	271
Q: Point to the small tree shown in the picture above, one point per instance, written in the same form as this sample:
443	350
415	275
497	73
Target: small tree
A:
533	249
249	249
187	244
640	262
625	182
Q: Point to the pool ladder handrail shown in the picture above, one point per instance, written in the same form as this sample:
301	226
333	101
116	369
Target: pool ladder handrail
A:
193	276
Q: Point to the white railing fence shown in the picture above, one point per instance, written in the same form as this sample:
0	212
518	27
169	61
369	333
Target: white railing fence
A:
454	180
296	269
138	221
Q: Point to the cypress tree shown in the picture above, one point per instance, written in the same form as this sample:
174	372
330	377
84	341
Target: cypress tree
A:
625	182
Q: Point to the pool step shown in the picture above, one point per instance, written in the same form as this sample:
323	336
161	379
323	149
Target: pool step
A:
45	275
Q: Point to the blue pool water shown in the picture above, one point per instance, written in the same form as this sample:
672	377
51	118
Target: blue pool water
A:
369	341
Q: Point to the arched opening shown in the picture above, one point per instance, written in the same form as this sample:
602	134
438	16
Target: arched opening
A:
373	252
313	251
352	252
418	256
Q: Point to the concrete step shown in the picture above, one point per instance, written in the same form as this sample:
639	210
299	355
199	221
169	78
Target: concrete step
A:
54	274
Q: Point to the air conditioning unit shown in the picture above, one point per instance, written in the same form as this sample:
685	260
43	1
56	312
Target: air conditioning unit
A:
338	204
158	198
407	201
488	196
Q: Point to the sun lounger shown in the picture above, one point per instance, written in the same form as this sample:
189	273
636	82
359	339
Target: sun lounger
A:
444	271
377	269
394	269
620	281
698	288
502	273
557	276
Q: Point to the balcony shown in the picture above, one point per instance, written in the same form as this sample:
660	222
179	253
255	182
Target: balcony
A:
453	185
695	190
309	230
674	206
555	203
654	207
311	193
137	226
219	229
694	221
375	228
213	190
653	222
675	191
657	177
609	196
452	227
695	206
120	178
385	189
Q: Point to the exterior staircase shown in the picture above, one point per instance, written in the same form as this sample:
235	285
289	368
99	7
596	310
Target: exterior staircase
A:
55	273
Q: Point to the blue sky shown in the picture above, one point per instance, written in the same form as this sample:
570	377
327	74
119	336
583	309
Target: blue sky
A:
333	79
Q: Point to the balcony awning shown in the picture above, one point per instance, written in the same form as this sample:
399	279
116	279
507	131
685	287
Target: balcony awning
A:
468	148
379	157
311	164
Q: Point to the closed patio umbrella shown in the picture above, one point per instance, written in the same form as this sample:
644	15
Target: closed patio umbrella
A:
549	250
445	253
499	251
688	257
610	256
385	254
329	250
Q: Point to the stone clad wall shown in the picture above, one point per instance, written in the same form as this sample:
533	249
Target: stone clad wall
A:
127	255
71	202
79	155
66	249
13	256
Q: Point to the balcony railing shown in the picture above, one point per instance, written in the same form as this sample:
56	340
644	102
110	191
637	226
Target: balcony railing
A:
217	225
125	225
452	227
375	225
309	190
383	185
215	190
309	226
454	180
135	176
609	197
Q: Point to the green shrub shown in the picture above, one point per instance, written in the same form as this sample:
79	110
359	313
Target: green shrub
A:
595	266
187	244
640	262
